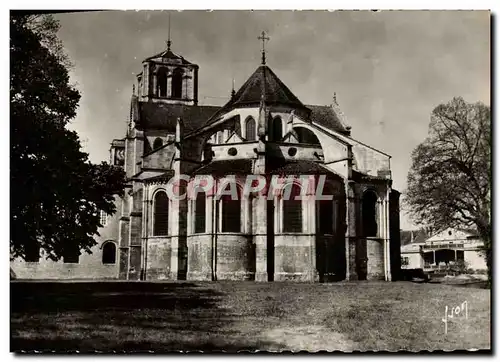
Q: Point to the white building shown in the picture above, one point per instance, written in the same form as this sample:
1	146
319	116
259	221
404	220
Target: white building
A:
444	248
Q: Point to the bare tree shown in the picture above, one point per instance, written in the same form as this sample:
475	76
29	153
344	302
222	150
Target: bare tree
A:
449	183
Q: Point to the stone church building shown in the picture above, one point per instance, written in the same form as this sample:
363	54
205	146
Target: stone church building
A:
264	130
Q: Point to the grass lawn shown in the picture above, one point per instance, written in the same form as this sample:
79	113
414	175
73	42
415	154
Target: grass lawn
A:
232	316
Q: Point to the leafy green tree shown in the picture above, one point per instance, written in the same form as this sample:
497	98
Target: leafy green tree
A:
449	182
56	192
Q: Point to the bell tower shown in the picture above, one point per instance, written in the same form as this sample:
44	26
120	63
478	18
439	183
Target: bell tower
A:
168	78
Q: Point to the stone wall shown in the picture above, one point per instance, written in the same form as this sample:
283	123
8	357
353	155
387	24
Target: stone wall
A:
158	258
235	257
375	262
294	257
199	257
90	266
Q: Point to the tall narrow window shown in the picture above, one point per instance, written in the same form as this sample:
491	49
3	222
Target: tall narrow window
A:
369	213
200	211
160	226
250	129
277	129
103	218
162	82
177	83
109	253
157	143
292	210
231	212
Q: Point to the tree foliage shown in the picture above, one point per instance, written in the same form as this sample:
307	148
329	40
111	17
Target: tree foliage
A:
56	192
449	182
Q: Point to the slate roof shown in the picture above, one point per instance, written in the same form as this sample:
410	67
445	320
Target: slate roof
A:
164	116
166	176
301	167
276	93
168	54
326	117
226	167
419	236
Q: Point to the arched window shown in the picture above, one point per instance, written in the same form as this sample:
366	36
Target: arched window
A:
160	226
369	213
157	143
177	83
250	129
199	213
109	253
161	78
231	212
292	209
277	134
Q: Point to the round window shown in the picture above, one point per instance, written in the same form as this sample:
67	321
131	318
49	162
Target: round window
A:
292	151
232	151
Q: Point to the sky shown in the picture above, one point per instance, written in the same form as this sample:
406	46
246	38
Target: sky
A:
389	69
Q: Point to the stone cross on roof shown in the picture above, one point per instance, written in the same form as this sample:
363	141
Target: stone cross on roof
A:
263	37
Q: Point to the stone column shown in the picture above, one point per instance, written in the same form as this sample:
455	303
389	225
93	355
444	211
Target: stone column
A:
173	221
155	84
309	204
350	236
388	274
259	226
169	83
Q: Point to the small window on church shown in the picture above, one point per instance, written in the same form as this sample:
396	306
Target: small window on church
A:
292	210
109	253
369	214
277	129
200	210
157	143
250	129
177	83
231	213
162	82
160	225
103	218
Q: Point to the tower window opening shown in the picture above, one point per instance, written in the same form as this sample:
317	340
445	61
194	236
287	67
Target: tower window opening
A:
162	82
177	83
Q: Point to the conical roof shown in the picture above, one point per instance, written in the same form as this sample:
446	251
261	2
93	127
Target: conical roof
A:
264	80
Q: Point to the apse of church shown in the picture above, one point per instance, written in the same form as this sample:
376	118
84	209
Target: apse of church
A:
273	189
263	131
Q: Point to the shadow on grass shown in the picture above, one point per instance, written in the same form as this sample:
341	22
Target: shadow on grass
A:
133	317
